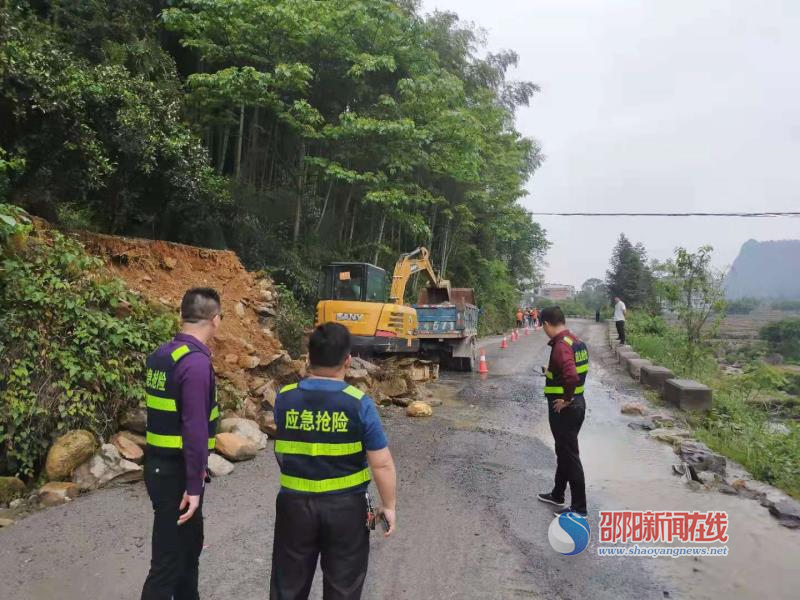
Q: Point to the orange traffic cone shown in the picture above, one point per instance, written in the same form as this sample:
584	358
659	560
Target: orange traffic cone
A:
483	367
514	336
504	344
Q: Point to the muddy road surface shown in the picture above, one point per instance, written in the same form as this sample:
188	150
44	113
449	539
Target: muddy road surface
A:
469	524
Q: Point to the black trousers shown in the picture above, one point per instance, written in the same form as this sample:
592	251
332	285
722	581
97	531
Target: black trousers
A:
565	427
307	527
176	548
621	331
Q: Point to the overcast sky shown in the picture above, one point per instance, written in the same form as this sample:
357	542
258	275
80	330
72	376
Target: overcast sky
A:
653	106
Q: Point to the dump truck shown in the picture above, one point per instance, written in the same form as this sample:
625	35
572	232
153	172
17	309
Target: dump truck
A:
361	297
448	331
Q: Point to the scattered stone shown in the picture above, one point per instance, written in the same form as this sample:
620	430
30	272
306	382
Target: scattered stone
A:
670	435
419	409
642	425
218	466
231	359
238	308
105	466
58	492
236	447
695	486
404	402
249	362
700	456
134	419
16	503
359	363
707	477
266	422
686	471
787	511
433	401
246	428
6	522
663	420
68	452
633	408
394	387
137	439
251	409
10	489
267	393
169	263
725	488
128	449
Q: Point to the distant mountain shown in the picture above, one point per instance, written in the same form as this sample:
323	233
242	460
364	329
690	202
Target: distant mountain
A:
765	270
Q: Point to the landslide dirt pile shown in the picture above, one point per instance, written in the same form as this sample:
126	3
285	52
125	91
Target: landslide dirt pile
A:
248	357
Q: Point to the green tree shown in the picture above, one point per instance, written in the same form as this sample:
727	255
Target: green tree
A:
593	294
692	289
629	276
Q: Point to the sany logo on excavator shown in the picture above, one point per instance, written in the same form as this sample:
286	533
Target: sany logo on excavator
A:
349	316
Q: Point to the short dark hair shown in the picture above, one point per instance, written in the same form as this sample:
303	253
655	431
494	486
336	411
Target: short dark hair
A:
553	315
200	304
329	345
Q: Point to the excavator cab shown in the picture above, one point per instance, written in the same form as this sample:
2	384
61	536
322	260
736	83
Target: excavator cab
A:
356	295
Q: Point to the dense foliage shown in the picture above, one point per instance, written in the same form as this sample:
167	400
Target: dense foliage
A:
629	276
783	337
71	353
294	132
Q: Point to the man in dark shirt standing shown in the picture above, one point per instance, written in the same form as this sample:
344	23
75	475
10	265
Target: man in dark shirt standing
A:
329	444
182	419
564	386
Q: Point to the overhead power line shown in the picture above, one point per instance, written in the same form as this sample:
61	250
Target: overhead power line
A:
682	214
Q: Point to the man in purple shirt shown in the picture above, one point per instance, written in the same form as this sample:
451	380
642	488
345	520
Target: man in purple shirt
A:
182	419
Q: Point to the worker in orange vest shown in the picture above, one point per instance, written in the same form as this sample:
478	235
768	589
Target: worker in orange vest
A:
519	317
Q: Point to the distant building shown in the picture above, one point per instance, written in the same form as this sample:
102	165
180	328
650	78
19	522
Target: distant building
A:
556	291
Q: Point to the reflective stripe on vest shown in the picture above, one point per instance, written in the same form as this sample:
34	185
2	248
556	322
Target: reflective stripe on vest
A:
317	448
180	352
172	441
582	368
317	486
557	389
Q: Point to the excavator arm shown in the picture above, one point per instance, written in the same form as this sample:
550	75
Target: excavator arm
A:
411	263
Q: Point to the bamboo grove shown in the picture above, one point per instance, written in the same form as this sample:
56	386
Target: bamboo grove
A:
295	132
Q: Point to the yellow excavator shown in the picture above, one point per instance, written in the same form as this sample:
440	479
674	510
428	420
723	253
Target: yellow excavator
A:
355	295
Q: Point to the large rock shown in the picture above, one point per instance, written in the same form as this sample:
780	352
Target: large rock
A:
68	452
633	408
421	372
700	456
246	428
266	422
134	419
137	439
11	488
128	449
58	492
235	447
394	386
418	408
354	375
787	511
218	466
251	409
267	393
359	363
6	522
105	466
687	394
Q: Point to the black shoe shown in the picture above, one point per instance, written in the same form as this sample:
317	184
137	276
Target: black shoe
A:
549	499
569	509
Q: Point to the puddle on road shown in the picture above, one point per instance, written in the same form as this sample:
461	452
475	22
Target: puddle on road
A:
628	470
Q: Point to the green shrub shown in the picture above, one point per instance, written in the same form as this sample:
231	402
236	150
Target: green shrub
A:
741	307
292	322
784	337
66	360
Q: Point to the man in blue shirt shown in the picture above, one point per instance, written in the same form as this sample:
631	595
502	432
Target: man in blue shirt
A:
330	443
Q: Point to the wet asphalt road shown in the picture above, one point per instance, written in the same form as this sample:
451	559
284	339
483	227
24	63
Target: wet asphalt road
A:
469	524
